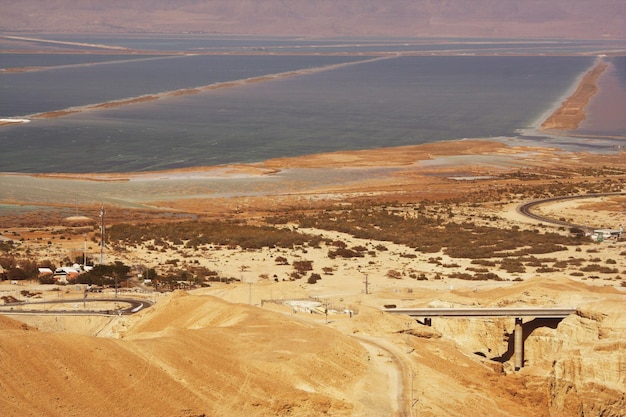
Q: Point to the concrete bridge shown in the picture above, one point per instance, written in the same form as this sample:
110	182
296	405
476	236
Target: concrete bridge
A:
541	316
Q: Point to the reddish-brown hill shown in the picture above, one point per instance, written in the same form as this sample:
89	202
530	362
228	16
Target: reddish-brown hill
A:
484	18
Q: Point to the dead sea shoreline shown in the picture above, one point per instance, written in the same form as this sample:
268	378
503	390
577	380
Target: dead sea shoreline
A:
457	158
392	157
433	171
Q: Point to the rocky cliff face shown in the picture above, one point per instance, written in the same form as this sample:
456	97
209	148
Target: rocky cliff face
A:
588	375
582	358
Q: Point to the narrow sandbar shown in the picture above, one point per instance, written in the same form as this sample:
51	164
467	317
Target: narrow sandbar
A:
572	111
195	90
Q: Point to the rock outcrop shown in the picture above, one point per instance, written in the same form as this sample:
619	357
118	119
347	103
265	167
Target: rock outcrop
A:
589	371
581	359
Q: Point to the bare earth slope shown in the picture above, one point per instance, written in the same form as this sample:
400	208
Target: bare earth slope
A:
213	358
194	354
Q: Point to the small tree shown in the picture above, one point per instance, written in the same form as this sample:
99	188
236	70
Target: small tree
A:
46	279
302	266
16	274
46	263
30	268
314	278
105	274
281	260
294	275
392	273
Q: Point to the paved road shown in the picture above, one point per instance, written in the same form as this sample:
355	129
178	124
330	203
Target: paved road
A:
485	312
111	307
526	208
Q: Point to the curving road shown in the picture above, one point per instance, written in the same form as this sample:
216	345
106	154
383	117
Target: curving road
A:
400	395
526	208
134	306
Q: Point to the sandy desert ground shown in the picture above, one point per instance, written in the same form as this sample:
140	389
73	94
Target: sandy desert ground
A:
258	346
242	349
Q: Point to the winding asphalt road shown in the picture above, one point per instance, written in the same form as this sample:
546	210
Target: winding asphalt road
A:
526	208
134	306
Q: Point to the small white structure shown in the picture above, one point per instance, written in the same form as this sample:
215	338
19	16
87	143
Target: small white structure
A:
65	273
602	234
82	268
303	306
45	272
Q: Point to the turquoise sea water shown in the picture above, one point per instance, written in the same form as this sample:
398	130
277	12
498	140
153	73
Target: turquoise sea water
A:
401	100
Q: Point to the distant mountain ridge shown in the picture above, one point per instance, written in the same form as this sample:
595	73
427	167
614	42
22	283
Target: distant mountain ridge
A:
469	18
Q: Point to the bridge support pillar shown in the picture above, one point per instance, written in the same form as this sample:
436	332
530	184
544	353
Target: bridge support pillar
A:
518	347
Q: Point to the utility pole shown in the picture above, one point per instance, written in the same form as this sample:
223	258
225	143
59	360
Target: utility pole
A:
366	285
326	303
102	230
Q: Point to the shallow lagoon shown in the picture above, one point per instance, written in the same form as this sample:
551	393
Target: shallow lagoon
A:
402	100
392	102
66	86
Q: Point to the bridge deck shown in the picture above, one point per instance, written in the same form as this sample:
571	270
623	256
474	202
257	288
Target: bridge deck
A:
485	312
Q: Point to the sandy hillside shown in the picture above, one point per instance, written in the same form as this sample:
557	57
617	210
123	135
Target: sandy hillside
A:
194	354
206	361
